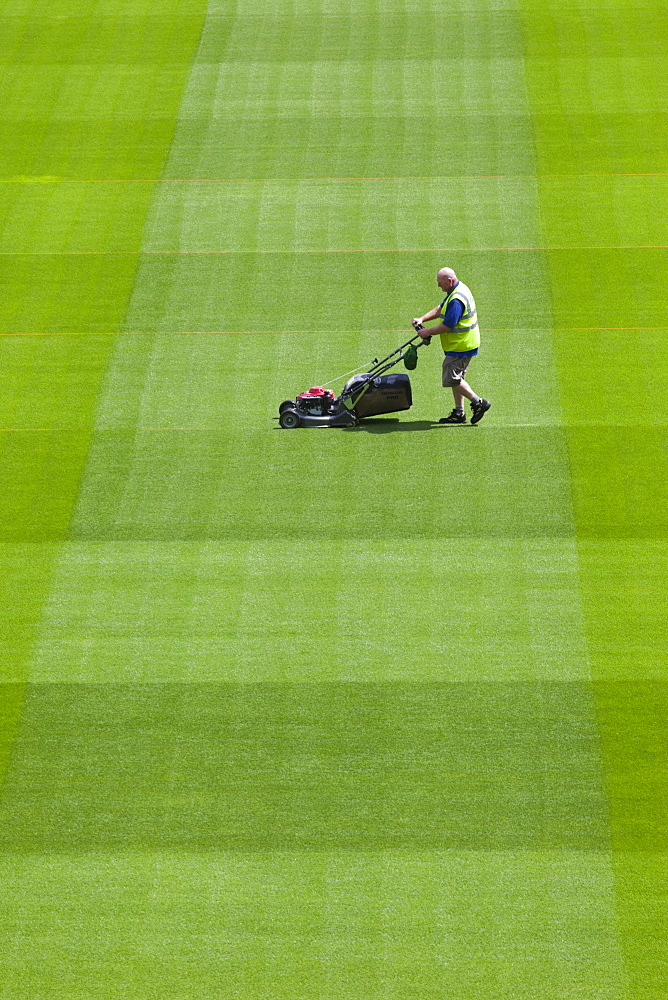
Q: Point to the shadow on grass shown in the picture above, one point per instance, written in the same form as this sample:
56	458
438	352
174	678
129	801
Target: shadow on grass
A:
387	425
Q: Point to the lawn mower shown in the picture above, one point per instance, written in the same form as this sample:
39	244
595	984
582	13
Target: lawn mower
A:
364	395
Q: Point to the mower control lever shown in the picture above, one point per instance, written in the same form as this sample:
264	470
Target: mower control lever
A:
419	326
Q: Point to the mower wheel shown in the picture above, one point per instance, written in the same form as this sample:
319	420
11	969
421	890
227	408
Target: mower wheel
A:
289	419
286	405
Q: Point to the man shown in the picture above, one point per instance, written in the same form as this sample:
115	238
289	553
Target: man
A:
460	337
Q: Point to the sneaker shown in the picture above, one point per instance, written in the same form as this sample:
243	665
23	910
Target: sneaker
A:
479	409
456	417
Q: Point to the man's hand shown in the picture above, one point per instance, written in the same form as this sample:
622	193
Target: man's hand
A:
421	331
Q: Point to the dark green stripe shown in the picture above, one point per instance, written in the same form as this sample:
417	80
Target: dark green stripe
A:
595	78
487	766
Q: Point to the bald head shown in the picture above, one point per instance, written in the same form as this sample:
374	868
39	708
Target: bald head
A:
447	279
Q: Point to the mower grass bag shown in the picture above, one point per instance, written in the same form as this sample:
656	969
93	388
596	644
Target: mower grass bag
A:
384	394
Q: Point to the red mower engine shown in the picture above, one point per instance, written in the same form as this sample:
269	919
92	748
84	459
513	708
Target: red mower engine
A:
316	401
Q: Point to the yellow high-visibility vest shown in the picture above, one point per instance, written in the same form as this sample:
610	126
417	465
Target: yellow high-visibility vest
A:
466	335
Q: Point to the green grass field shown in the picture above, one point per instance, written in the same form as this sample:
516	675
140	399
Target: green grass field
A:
367	715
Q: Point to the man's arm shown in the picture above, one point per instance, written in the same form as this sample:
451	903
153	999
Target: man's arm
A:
433	330
453	314
428	317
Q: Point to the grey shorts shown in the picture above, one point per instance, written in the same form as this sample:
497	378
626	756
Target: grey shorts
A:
454	369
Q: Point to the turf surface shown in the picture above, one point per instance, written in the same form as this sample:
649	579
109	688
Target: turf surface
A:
374	714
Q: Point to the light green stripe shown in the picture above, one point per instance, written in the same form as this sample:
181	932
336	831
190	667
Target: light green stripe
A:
207	611
235	923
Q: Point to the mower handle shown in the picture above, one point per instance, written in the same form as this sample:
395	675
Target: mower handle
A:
420	326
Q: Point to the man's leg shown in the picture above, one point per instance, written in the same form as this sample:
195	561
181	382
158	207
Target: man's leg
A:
479	406
452	373
463	391
453	376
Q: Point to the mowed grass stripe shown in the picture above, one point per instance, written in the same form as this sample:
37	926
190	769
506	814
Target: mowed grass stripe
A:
259	333
195	611
267	767
608	114
225	484
263	180
47	478
391	923
320	215
185	253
